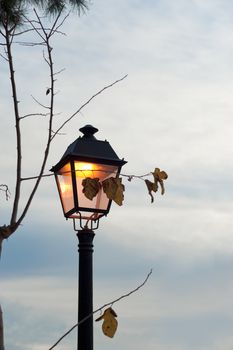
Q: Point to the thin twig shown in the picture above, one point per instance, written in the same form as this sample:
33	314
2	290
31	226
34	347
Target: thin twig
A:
34	27
5	189
52	31
3	34
60	133
6	59
24	43
44	57
39	103
34	177
32	30
86	103
101	308
34	114
25	31
60	71
129	177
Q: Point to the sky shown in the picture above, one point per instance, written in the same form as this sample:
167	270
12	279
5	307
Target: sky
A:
173	111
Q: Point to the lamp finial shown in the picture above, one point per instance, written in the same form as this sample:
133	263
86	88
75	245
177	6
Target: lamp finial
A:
88	131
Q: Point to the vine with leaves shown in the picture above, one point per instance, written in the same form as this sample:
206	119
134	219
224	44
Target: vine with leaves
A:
114	188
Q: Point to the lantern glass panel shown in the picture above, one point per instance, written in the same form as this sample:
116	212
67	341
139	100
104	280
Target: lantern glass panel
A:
91	170
64	182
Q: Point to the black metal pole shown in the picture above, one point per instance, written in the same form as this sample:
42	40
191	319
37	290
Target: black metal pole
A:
85	289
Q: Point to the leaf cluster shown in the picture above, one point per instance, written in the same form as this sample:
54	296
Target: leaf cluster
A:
159	176
53	7
12	12
112	187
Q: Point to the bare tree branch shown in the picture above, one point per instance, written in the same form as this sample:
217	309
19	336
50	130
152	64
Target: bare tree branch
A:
35	177
101	308
30	44
86	103
60	71
4	57
34	114
44	57
39	103
51	115
55	30
25	31
17	126
130	177
2	33
34	27
39	29
5	188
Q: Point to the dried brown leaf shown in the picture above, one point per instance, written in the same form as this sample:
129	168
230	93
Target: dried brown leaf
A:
159	176
151	186
114	189
91	187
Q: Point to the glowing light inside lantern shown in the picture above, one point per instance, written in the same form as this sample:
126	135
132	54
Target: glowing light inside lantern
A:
83	169
65	188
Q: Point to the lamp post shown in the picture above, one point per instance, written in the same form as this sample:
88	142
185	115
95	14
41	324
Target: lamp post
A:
86	157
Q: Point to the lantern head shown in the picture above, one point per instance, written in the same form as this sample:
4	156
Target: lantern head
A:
86	157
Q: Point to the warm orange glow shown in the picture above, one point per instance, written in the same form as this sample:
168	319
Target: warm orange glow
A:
66	188
65	171
65	181
83	169
100	171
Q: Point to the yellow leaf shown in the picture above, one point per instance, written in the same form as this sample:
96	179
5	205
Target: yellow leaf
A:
91	187
114	189
110	323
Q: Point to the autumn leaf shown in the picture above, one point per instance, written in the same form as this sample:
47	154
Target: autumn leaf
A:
91	187
110	323
114	189
151	186
159	176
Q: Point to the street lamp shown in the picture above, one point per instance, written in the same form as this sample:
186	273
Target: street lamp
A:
86	157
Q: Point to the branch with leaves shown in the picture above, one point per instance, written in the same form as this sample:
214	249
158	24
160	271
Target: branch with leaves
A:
114	189
101	308
159	177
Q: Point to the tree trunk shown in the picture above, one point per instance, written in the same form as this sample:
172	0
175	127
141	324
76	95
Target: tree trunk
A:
1	331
